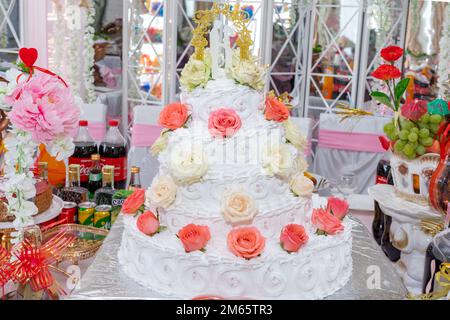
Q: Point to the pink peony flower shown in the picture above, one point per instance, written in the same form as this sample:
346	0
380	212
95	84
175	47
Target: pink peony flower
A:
292	237
224	123
147	223
194	237
246	242
337	207
326	222
45	108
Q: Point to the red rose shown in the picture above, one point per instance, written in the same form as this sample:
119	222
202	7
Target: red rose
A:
147	223
325	222
276	110
391	53
292	237
338	207
224	123
386	72
132	204
173	116
194	237
246	242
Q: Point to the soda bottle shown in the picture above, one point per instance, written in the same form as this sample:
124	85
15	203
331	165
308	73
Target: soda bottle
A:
135	180
85	147
113	152
95	176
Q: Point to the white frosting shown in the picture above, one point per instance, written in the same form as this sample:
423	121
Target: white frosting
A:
320	268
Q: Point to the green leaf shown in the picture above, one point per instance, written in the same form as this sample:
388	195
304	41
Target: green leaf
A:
400	89
382	98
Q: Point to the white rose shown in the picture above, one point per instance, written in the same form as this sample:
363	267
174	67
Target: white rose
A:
277	159
160	144
247	72
162	192
294	136
301	185
196	72
188	162
300	164
238	207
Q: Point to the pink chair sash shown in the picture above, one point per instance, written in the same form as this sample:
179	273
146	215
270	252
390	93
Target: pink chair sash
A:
97	130
144	135
352	141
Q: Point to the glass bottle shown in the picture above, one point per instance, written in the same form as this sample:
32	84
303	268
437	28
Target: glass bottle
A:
95	175
135	179
105	194
74	192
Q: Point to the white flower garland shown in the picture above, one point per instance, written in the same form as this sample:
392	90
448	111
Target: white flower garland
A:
444	56
73	56
89	54
59	38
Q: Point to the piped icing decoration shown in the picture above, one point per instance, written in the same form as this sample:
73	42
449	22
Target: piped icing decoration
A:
224	123
194	237
174	116
246	242
293	237
238	207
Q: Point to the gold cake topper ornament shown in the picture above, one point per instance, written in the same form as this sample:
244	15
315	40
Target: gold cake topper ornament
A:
204	20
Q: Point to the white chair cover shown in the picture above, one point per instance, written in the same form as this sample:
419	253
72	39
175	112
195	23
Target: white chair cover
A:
140	156
332	163
95	114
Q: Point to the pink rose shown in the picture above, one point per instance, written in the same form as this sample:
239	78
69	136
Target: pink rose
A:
173	116
224	123
194	237
246	242
45	108
147	223
338	207
292	237
132	204
326	222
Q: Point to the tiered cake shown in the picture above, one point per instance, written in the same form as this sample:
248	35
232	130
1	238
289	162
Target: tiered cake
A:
232	197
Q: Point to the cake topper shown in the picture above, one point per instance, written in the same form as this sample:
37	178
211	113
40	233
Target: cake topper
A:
205	18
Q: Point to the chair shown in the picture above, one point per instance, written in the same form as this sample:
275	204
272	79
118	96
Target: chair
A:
95	114
349	147
305	125
144	132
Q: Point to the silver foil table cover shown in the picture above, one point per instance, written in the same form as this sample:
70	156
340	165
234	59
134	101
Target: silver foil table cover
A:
373	276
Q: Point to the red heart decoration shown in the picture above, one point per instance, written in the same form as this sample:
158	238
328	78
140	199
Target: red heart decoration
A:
28	56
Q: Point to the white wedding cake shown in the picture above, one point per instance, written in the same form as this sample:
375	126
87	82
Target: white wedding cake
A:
230	212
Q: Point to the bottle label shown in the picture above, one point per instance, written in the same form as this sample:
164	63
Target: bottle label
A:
85	165
95	177
381	180
120	167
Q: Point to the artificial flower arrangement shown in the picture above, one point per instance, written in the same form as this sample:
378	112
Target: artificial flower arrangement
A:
414	128
42	110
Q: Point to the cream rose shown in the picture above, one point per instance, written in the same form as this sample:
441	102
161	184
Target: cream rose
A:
300	164
277	159
238	206
162	192
247	72
301	185
188	162
196	72
294	136
160	144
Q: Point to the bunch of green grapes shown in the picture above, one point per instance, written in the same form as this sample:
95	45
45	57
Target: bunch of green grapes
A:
414	138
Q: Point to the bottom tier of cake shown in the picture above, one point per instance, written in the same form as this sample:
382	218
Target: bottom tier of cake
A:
320	268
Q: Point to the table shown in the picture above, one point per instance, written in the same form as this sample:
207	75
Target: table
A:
373	274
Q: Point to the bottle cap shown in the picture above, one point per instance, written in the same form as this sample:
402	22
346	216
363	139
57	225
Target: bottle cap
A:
42	165
135	169
83	123
113	123
108	170
95	157
74	168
